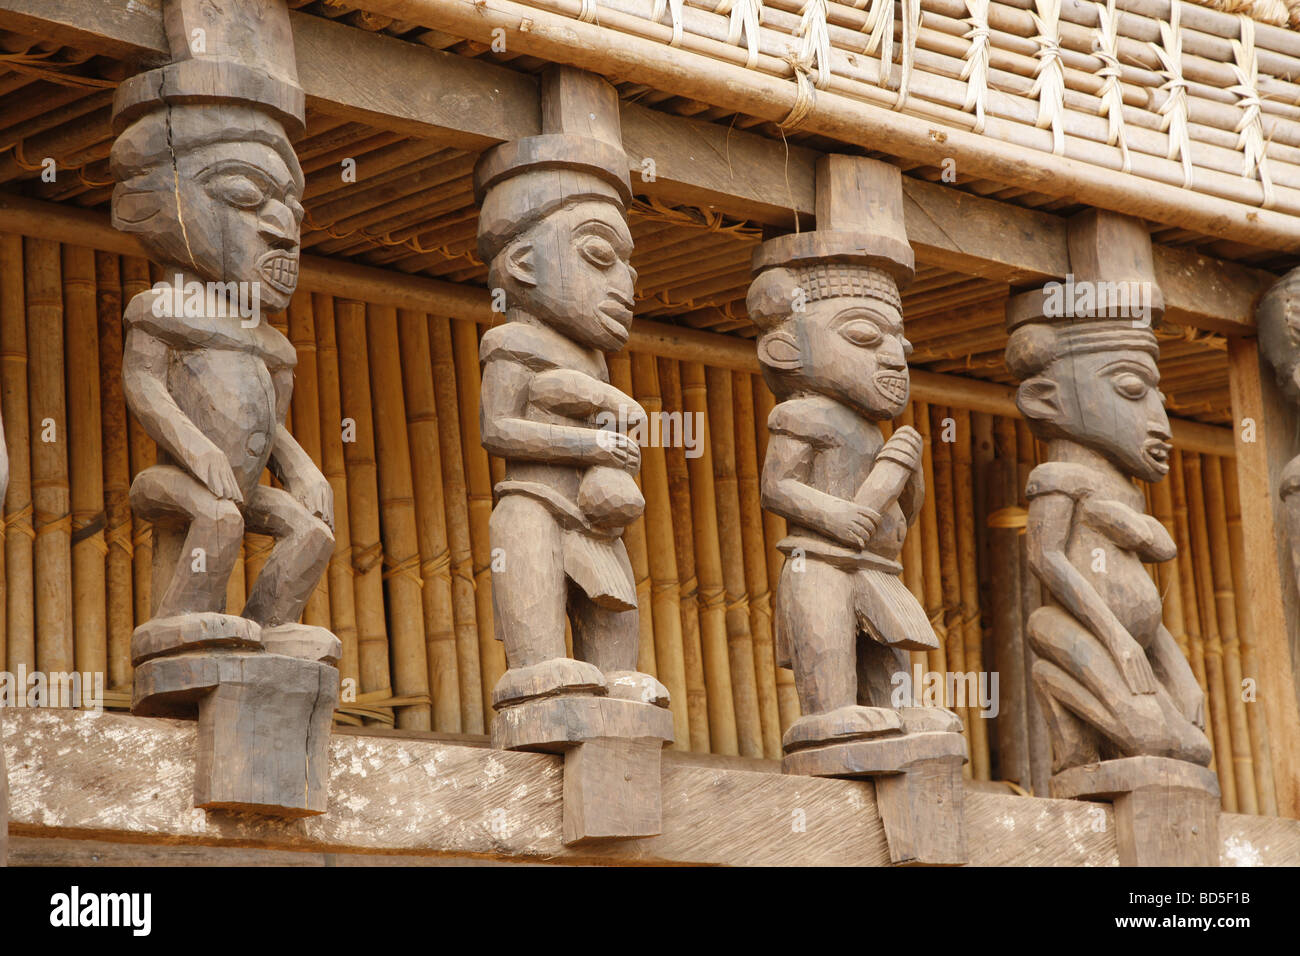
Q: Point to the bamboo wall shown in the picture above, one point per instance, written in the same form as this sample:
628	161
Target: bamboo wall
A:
387	402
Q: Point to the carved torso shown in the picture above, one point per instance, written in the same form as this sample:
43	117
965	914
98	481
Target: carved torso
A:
1110	531
843	446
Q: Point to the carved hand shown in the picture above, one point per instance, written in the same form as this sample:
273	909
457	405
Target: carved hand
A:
1133	664
316	495
906	447
851	523
211	467
616	450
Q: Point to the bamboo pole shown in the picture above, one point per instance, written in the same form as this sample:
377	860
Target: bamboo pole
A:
931	563
430	520
1200	553
363	503
401	551
86	466
683	528
1225	601
51	502
1187	577
754	555
1040	744
942	424
729	542
478	485
1261	759
913	562
343	614
473	699
787	695
306	426
724	720
19	534
143	454
117	473
665	588
1003	568
634	539
967	564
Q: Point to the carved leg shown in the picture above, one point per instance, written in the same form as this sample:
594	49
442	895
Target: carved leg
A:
529	592
816	610
877	665
1074	740
608	639
303	545
165	493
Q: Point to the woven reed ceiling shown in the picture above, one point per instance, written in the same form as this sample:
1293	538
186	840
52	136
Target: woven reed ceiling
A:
413	212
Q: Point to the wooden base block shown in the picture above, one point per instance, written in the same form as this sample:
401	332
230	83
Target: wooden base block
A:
919	790
612	749
167	635
4	806
264	726
1166	811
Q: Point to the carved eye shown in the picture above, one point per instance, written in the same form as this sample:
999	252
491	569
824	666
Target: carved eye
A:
861	332
598	251
237	190
1130	386
295	207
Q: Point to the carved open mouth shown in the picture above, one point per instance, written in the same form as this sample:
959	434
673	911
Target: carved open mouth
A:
892	385
279	270
1156	451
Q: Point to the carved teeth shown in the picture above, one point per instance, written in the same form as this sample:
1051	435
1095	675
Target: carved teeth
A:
281	272
892	385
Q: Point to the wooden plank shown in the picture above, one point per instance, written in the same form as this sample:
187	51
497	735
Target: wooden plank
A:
33	217
393	84
1272	605
111	777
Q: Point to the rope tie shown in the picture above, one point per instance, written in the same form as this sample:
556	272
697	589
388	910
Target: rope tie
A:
739	604
463	569
1250	128
408	568
1049	81
119	536
48	523
675	8
1105	46
21	521
664	588
815	48
690	588
880	27
142	538
588	12
437	567
911	27
1173	111
746	15
90	530
364	559
975	71
711	598
805	98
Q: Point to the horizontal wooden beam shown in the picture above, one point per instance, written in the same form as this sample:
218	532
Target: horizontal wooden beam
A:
123	779
75	226
469	103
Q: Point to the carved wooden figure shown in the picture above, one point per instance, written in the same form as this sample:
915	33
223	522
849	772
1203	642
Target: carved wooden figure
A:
553	229
209	182
1278	322
1125	713
833	352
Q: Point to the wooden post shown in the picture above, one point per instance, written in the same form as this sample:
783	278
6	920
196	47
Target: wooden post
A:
20	594
1260	414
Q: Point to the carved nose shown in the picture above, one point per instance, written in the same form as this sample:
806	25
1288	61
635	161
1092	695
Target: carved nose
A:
1159	428
277	223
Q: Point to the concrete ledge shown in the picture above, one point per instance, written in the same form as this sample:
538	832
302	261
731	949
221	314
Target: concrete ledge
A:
130	780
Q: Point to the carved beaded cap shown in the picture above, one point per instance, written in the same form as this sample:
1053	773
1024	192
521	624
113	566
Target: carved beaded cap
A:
830	280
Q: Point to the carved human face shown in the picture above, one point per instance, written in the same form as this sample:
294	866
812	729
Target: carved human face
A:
571	270
241	211
1278	321
851	348
1111	402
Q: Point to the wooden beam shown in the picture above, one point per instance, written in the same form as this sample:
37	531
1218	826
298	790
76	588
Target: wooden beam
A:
1272	605
83	775
84	227
397	85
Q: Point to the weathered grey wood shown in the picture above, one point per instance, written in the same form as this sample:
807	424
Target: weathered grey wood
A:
1113	685
832	350
553	230
4	808
82	775
209	182
733	171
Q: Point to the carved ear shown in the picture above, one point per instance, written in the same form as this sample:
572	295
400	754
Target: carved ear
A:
519	264
1038	399
779	350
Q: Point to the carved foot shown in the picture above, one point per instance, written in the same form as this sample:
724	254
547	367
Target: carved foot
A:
919	790
929	720
303	641
841	724
204	629
633	685
560	675
611	748
264	725
1166	811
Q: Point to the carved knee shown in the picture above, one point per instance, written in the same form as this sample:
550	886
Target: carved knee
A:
318	539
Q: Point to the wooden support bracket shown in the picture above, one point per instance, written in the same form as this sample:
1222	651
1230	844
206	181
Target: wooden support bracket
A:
1166	811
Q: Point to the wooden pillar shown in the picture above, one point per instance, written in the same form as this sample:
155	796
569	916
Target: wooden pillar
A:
1265	438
